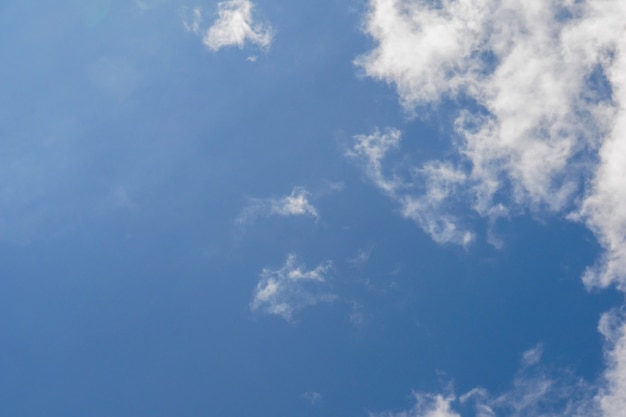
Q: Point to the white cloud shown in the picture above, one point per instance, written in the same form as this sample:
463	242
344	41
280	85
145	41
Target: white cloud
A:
534	392
546	132
295	204
438	181
235	26
372	149
292	287
612	396
548	79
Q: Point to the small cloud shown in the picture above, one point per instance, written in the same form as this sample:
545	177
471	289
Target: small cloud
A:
192	20
361	257
312	396
295	204
372	149
357	314
291	288
235	26
532	356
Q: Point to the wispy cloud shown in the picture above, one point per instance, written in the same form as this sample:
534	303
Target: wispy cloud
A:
548	83
534	392
291	288
295	204
437	181
235	26
362	257
538	392
426	405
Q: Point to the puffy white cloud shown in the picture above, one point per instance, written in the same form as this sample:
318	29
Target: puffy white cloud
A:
295	204
291	288
547	79
234	26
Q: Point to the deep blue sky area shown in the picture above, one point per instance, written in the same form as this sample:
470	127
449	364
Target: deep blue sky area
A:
140	178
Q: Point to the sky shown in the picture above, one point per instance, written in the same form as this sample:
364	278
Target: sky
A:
358	208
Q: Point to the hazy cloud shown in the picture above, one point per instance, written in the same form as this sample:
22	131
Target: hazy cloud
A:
235	26
426	405
362	257
295	204
290	288
312	396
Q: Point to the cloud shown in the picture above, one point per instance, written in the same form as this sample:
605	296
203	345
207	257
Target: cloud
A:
372	149
295	204
545	132
547	127
534	392
612	395
235	26
362	257
312	396
357	314
291	288
537	392
438	182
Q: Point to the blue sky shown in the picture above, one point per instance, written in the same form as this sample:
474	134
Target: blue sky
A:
383	208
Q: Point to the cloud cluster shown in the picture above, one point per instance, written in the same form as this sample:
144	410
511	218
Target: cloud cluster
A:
291	288
545	131
295	204
234	26
547	128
